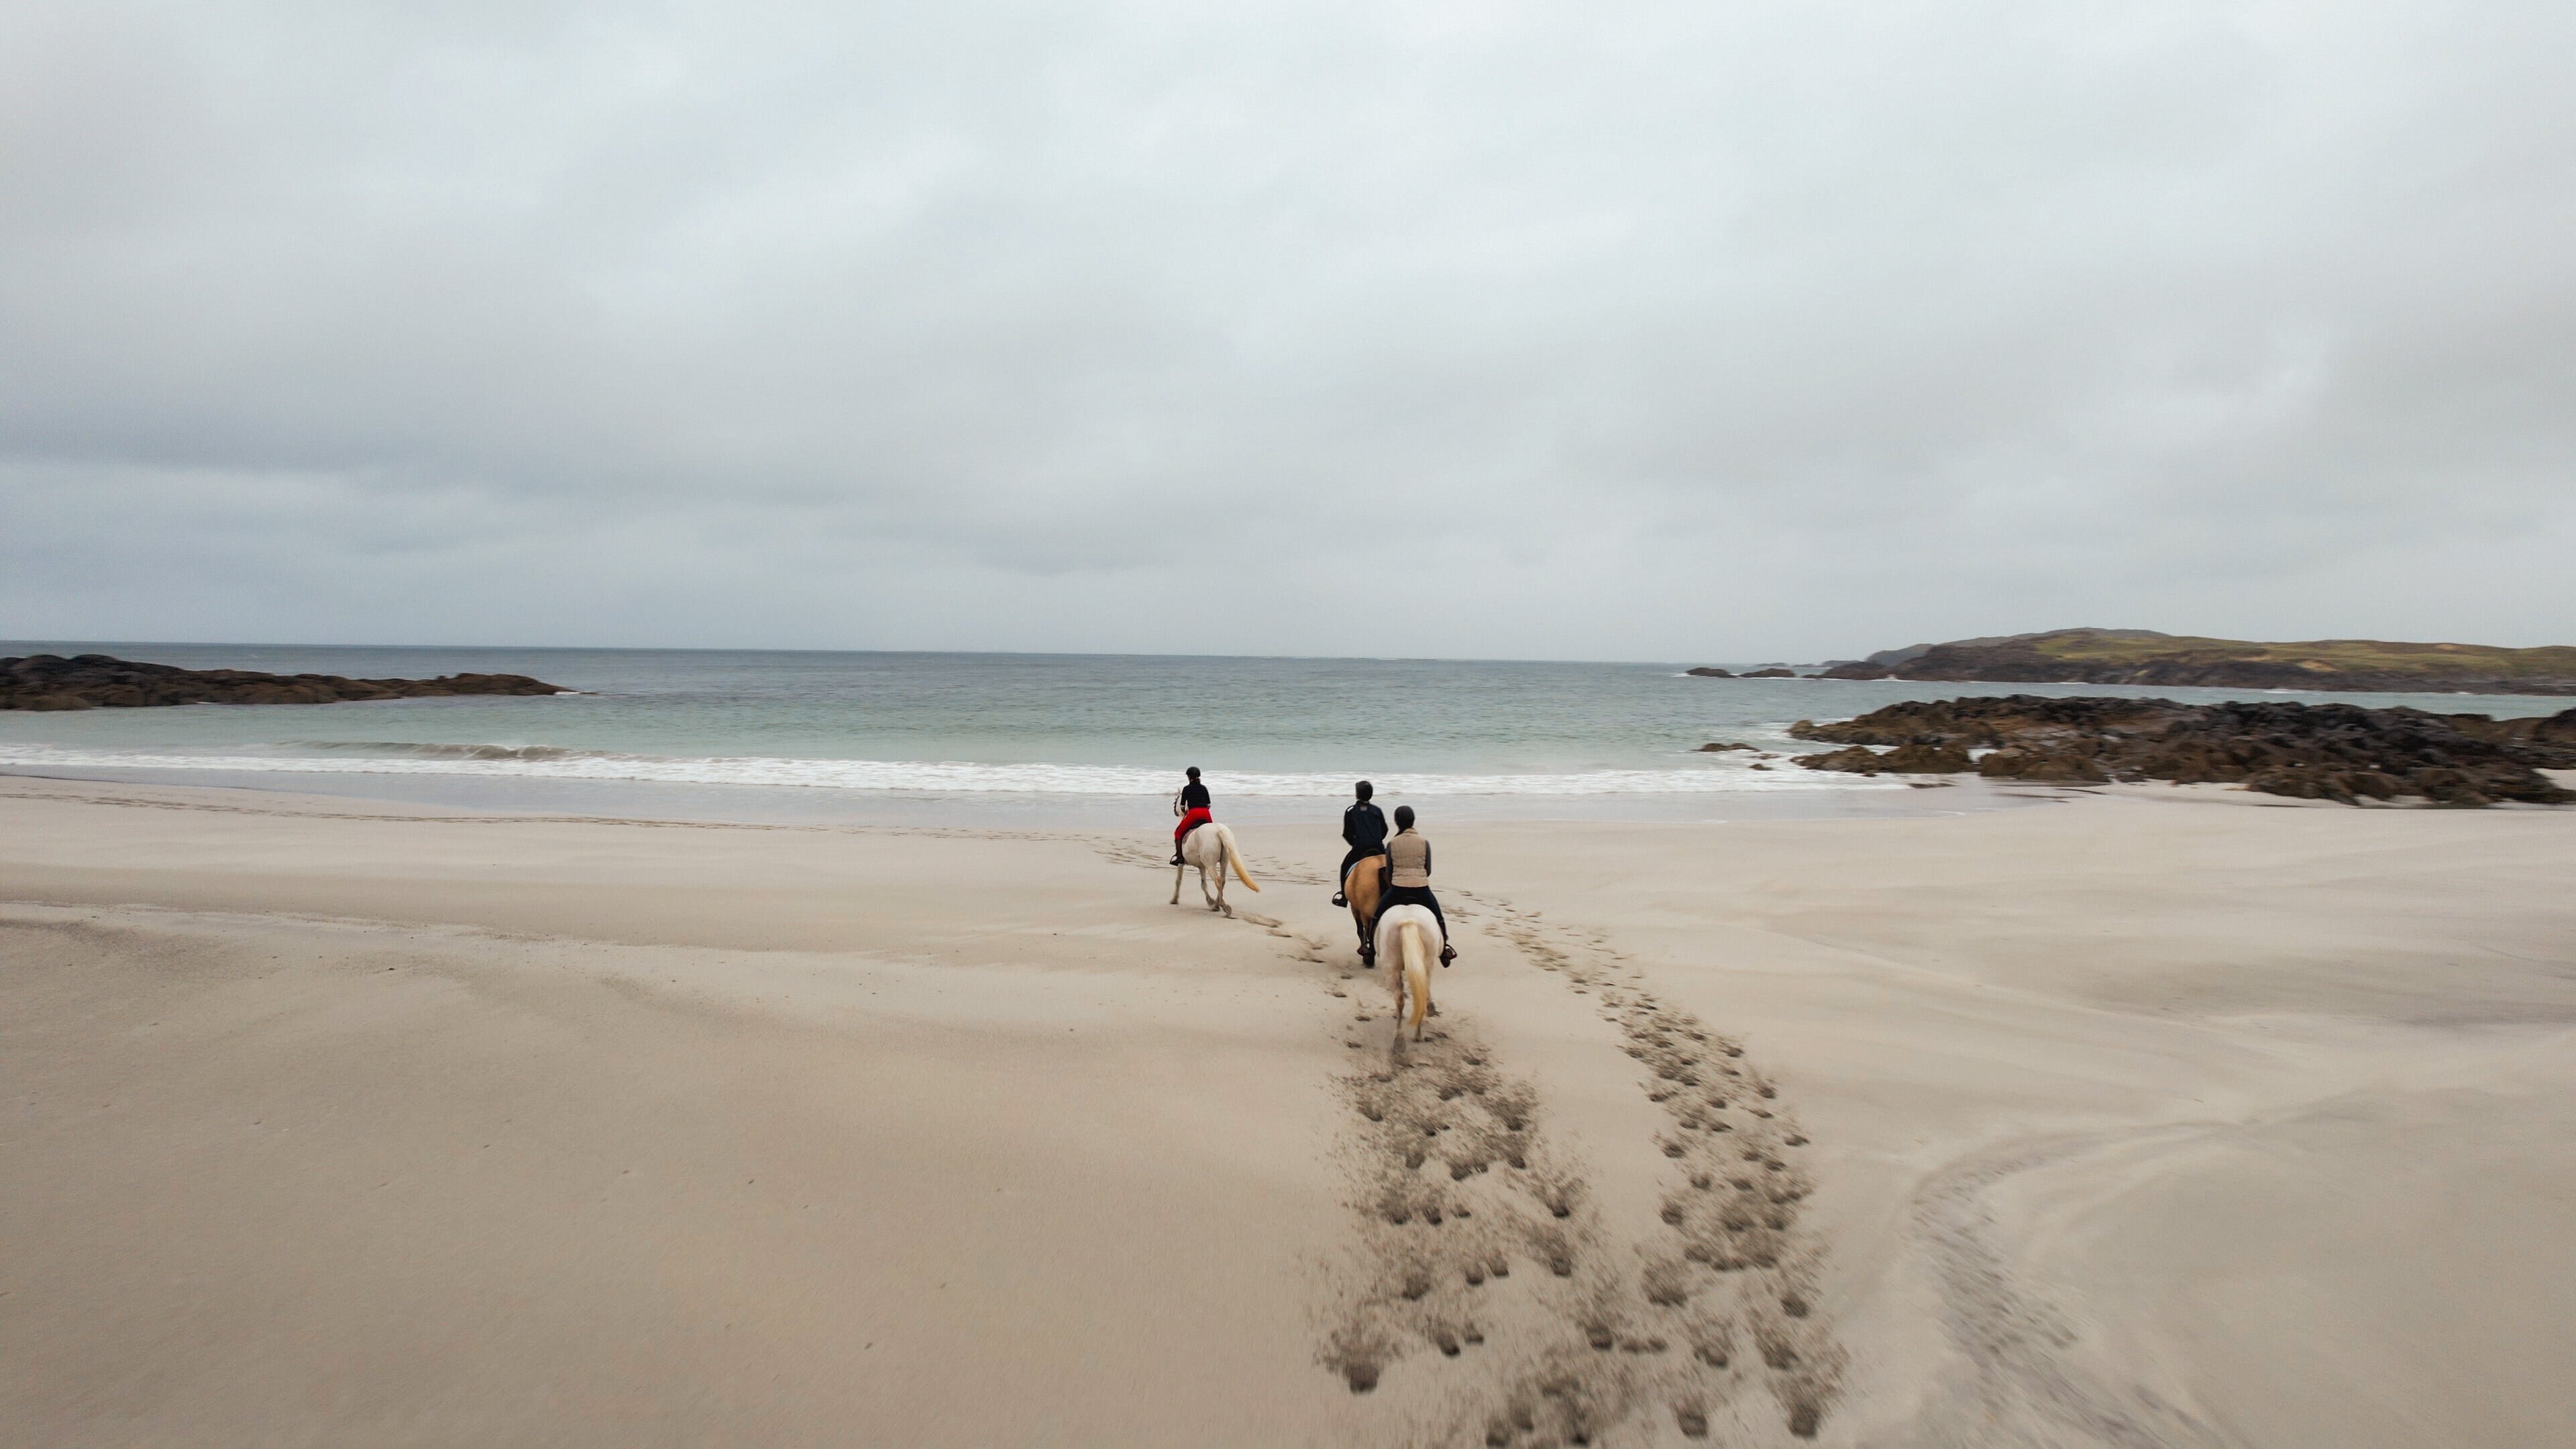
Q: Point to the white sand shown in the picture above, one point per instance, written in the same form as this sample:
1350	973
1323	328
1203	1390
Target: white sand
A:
2143	1119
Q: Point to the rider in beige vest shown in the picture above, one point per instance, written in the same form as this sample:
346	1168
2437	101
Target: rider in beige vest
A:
1408	859
1408	877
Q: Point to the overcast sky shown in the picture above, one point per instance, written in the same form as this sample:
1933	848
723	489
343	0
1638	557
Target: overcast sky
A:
1713	330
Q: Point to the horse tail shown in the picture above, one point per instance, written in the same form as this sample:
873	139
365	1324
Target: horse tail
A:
1417	972
1234	857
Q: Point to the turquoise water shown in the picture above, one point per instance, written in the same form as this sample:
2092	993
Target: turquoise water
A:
858	734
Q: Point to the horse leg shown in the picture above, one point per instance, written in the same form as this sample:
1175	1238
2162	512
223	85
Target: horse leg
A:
1177	872
1360	888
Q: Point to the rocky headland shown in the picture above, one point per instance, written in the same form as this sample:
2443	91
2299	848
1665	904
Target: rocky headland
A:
2305	751
98	681
2165	661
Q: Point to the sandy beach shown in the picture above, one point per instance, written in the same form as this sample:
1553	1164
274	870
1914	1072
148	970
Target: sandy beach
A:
2149	1116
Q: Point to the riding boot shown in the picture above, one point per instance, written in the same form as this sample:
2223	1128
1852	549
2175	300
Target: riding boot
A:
1339	899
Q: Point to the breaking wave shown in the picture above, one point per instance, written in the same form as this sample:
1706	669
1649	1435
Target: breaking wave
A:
914	776
397	749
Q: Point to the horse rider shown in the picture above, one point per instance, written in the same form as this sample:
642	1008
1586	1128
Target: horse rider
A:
1364	831
1408	878
1192	806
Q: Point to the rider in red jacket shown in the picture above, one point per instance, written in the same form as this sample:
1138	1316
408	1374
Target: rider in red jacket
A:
1192	806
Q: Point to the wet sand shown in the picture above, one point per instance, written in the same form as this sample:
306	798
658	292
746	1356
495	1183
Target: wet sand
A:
2153	1117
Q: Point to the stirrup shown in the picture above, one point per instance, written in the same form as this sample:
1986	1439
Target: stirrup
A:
1339	899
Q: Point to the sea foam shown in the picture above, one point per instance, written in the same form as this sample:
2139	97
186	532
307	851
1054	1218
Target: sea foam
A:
497	761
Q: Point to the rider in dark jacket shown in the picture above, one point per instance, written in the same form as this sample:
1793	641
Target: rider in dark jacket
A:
1364	831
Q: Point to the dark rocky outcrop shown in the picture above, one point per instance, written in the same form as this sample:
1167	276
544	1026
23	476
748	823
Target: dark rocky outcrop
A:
1706	672
1918	758
1719	747
97	681
1906	759
1771	673
2554	735
2308	751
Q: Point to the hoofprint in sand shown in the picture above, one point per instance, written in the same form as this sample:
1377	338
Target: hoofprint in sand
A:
1616	1323
2133	1122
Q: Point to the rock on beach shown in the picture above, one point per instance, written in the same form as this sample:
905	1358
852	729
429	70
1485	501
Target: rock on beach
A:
2335	752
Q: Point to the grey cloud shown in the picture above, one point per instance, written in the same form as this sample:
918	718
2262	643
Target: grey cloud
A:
1670	331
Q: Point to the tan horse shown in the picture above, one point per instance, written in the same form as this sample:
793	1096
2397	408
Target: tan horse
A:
1360	888
1410	937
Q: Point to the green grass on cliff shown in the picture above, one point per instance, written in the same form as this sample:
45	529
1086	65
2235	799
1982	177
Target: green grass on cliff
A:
2324	656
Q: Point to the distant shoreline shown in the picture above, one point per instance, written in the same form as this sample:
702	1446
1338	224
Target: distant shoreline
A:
2151	660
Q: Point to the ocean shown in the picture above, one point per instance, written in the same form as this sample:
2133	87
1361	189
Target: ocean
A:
1079	739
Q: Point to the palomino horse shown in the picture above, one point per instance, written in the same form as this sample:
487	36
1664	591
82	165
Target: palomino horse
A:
1211	849
1408	940
1360	888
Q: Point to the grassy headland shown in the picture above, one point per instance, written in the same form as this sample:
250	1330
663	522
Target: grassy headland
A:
2137	656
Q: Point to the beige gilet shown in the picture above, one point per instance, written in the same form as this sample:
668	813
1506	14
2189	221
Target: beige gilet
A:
1408	858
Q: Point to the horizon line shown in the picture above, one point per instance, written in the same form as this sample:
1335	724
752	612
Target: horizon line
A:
89	644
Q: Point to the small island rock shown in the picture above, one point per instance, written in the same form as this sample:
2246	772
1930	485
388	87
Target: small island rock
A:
99	681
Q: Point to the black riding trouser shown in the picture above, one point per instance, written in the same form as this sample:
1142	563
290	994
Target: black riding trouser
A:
1412	896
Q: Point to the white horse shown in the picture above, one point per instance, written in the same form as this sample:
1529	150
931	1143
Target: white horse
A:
1211	849
1408	941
